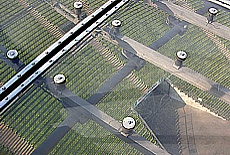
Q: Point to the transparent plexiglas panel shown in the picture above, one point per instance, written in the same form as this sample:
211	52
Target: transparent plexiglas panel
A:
128	66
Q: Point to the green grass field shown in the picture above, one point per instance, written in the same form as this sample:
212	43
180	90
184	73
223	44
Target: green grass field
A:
37	112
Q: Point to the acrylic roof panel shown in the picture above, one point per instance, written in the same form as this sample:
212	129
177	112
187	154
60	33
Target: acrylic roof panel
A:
102	71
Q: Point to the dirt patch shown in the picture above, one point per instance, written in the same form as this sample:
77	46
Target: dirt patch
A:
202	133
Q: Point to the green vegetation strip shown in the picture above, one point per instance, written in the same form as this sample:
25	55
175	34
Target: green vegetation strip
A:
91	137
4	151
118	105
6	72
34	115
86	71
204	56
143	23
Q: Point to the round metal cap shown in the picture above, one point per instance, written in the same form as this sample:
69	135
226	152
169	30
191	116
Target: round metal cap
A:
116	23
128	123
59	78
213	11
181	55
78	5
12	54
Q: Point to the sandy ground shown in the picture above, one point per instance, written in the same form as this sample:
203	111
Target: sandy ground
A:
206	134
184	126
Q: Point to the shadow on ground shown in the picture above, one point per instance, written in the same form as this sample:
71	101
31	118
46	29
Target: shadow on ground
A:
159	111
